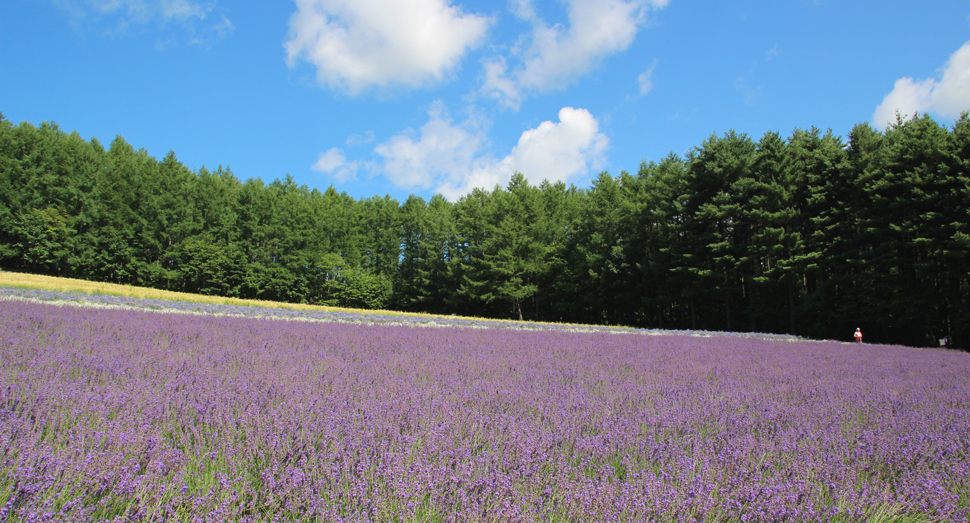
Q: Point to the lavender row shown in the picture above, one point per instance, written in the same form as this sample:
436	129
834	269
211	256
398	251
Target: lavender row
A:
126	415
367	317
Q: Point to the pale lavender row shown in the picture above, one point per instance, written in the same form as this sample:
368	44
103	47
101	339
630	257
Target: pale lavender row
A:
137	416
320	315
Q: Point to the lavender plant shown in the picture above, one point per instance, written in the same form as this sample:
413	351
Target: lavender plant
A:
321	313
131	415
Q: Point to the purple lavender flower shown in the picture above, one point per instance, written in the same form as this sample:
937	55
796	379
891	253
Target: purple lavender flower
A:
121	414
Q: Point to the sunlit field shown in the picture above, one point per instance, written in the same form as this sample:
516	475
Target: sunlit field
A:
113	413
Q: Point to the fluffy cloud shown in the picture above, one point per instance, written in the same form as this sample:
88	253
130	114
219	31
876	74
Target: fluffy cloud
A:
946	97
448	158
556	55
334	163
440	154
356	44
559	151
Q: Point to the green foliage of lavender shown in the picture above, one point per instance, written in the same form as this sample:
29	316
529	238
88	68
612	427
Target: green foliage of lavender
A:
127	415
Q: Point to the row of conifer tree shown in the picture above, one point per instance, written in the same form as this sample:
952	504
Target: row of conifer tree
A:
813	234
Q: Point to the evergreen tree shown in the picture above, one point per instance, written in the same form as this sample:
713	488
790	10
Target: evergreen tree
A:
660	243
601	251
908	221
953	249
720	182
423	279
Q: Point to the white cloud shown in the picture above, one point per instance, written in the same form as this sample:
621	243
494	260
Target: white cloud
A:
356	44
334	163
645	80
498	85
560	151
330	160
555	55
946	97
448	158
439	154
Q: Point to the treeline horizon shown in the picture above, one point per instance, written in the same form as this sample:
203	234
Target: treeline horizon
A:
809	234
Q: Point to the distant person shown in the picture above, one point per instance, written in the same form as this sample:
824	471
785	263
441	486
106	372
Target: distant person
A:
858	335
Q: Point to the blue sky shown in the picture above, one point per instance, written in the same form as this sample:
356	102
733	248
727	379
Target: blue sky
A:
380	97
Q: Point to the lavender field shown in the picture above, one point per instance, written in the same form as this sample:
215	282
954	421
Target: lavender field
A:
132	415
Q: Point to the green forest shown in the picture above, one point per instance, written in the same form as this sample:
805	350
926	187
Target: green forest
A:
811	234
